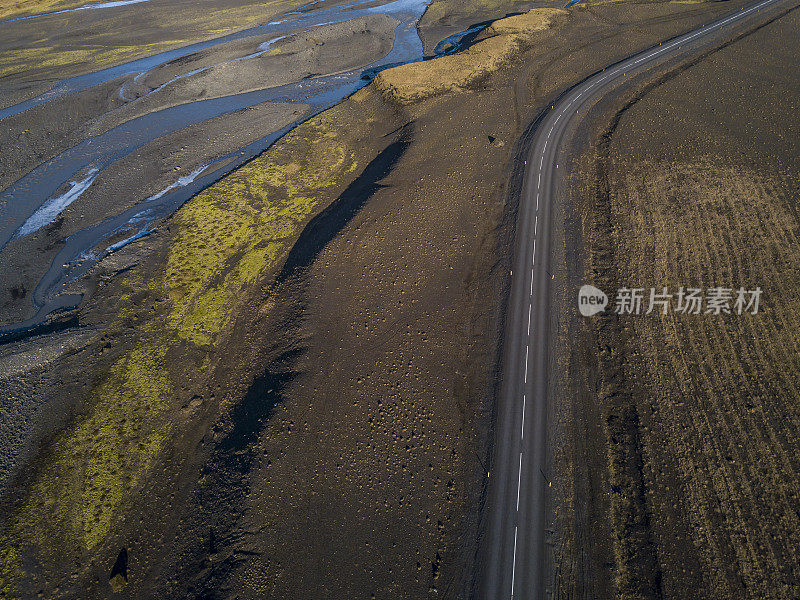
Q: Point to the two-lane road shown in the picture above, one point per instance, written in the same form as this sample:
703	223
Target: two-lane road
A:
512	553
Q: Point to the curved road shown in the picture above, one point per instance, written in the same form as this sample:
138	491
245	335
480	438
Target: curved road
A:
512	556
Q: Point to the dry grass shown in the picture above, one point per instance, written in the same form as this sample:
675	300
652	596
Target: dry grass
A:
722	392
416	81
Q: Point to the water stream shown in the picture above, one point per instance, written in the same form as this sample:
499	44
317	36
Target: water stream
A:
35	199
298	20
90	6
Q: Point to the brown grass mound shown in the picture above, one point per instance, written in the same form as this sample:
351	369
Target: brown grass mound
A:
416	81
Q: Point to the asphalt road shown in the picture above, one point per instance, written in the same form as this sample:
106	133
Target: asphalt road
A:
512	558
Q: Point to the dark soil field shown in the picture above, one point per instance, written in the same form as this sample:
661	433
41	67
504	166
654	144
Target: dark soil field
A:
689	422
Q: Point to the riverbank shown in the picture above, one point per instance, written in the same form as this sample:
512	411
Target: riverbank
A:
119	132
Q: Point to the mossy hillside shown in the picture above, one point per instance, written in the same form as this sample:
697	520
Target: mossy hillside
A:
89	469
108	451
230	233
226	237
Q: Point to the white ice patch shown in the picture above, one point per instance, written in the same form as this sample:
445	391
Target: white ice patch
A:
181	182
178	78
93	6
121	244
262	49
113	4
54	206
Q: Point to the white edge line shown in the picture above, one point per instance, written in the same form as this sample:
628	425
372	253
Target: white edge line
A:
529	318
526	363
514	563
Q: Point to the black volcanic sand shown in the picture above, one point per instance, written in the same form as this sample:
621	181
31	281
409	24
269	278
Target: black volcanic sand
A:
334	442
35	135
328	49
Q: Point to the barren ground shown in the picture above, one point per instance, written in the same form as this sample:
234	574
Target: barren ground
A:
693	182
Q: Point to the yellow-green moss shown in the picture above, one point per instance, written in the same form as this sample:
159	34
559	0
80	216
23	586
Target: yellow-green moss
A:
102	455
96	57
9	8
92	464
235	229
106	47
9	568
